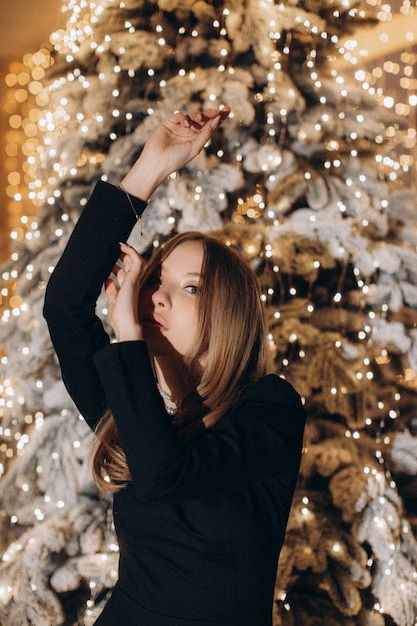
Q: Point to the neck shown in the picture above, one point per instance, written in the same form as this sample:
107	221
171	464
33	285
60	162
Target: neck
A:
173	377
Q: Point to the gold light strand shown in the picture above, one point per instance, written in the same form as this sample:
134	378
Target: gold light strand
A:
23	105
391	76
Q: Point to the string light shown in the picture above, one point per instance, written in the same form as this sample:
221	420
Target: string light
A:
391	80
39	128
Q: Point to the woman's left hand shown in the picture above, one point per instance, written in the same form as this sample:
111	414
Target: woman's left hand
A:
122	294
173	144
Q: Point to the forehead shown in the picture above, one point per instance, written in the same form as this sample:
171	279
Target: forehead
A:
187	256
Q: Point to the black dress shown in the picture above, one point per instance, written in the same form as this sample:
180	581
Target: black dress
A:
201	525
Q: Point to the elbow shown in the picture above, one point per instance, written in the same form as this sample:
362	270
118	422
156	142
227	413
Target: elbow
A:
50	303
52	295
47	309
58	299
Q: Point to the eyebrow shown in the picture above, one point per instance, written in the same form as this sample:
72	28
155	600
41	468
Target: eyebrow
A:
190	274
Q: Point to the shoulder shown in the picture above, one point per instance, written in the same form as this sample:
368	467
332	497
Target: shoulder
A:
272	388
274	402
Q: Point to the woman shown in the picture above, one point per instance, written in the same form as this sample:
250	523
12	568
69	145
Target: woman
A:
200	446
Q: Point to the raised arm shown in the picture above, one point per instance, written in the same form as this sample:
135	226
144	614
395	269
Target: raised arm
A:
173	144
93	249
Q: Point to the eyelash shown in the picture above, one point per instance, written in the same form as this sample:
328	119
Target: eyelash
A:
154	281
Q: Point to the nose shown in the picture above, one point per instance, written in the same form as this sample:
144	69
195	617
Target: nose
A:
160	297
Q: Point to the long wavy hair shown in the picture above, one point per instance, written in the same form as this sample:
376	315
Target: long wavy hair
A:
231	341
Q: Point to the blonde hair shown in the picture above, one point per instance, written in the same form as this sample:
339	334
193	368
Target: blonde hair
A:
231	340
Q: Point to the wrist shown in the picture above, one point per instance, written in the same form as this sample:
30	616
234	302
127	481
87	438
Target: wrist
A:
141	181
134	333
136	204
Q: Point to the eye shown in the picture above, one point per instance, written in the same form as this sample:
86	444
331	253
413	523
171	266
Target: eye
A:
154	280
192	289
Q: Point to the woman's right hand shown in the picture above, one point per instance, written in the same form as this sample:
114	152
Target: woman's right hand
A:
173	144
122	294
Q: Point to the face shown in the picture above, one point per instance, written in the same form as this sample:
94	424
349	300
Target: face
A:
167	302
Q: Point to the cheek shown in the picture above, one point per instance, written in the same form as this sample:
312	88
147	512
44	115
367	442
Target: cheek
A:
188	322
194	316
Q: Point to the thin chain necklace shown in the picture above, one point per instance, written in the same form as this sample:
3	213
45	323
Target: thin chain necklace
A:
165	396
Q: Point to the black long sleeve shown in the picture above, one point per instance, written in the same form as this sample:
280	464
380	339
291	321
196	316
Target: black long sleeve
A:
74	286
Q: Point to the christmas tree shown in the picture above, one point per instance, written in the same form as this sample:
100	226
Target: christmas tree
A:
297	179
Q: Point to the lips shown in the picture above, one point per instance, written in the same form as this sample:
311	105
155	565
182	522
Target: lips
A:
153	320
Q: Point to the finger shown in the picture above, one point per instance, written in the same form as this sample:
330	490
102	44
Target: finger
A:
131	258
119	275
213	118
196	120
176	118
110	290
206	131
129	251
116	267
224	113
210	114
119	263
